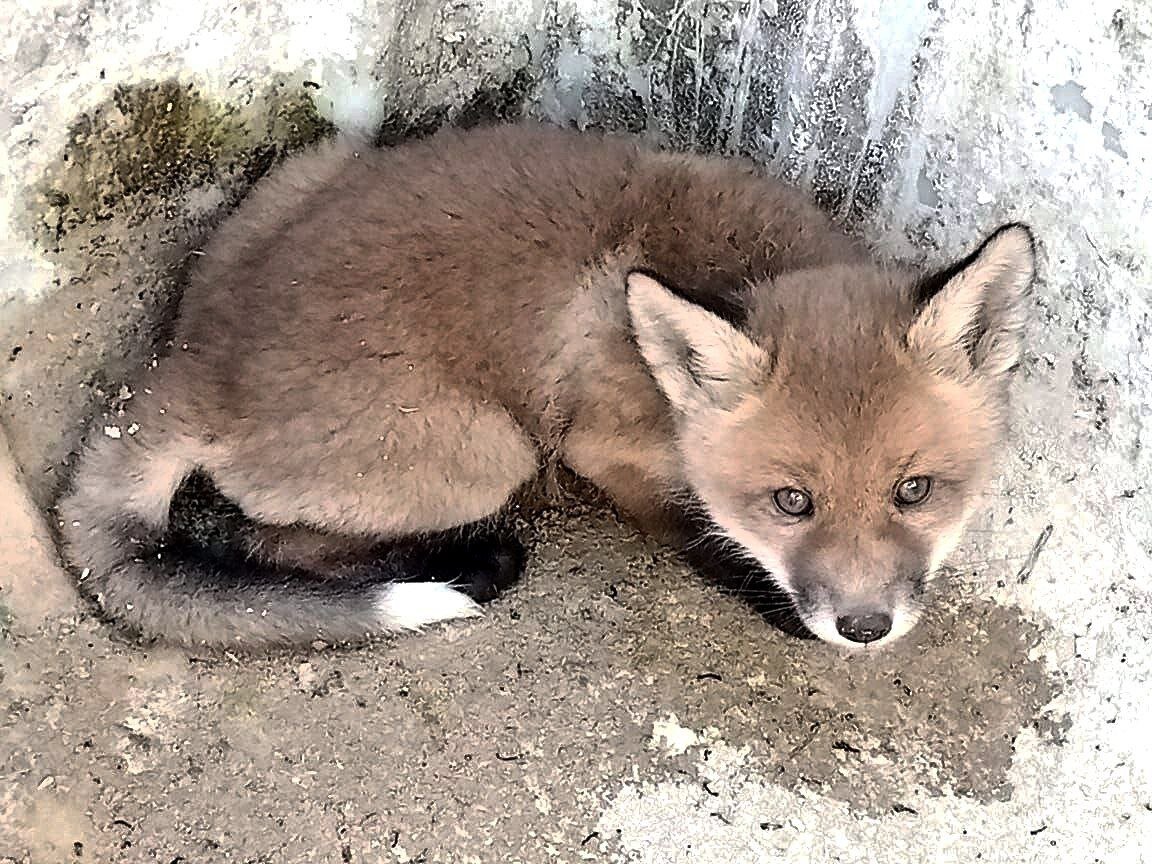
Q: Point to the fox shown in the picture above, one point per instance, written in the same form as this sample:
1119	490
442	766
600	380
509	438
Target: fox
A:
380	346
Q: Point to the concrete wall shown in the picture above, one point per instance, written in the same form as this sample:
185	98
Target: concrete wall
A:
128	125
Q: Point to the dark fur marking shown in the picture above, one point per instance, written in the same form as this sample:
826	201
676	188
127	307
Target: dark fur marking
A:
481	559
722	295
933	284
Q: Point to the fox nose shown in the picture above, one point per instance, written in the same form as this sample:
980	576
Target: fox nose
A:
869	627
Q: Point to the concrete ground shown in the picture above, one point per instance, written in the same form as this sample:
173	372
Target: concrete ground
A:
614	707
612	703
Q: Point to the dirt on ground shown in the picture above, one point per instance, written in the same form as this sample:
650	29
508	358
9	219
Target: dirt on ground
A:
498	740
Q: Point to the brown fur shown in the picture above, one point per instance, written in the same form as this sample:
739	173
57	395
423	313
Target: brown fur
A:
382	343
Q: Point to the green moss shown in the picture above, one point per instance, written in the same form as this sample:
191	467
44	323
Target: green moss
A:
149	143
294	123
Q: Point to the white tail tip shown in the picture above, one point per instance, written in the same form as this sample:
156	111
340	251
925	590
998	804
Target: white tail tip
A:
415	605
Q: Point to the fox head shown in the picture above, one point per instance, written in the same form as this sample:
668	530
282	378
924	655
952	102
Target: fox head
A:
843	431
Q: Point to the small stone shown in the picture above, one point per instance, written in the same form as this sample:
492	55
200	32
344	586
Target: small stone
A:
306	678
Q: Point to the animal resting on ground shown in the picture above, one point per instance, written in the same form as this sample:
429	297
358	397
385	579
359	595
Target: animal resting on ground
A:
381	346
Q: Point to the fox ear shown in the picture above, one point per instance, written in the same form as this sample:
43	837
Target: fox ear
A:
697	358
971	315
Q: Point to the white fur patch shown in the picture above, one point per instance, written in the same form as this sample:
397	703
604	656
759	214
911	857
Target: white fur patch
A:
948	542
822	623
415	605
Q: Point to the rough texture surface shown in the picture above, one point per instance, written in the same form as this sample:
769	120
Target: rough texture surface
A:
613	708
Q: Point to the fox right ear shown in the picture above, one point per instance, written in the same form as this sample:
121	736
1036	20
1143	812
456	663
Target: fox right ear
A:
697	358
971	315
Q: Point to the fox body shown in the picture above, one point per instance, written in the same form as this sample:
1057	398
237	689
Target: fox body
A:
382	346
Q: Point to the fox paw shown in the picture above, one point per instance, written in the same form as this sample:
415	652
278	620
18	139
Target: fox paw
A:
481	567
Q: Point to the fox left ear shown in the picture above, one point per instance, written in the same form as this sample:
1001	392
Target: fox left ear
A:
971	315
697	358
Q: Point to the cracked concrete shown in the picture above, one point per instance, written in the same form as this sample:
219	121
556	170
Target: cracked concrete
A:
613	707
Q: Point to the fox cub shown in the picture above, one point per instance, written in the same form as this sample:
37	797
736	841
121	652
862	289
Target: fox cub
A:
380	347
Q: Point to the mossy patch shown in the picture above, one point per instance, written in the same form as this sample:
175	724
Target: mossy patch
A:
150	143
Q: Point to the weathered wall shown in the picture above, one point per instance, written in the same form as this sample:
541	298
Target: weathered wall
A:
128	125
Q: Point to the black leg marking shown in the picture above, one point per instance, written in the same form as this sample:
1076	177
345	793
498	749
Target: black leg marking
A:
478	561
203	523
481	559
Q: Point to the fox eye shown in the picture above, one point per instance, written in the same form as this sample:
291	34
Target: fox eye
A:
912	491
793	502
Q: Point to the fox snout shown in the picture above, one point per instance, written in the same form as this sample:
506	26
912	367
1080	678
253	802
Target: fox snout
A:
858	612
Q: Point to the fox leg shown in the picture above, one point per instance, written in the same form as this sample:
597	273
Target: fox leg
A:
635	477
479	560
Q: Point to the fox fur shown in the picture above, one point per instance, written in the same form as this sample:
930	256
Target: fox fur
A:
386	344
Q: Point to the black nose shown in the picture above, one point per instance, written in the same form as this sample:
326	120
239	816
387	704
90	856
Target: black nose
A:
864	628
